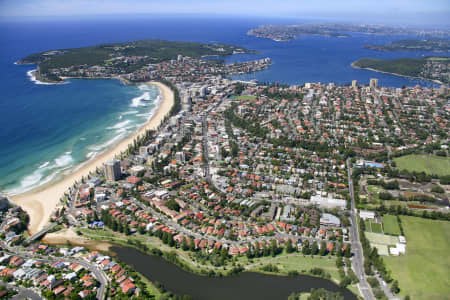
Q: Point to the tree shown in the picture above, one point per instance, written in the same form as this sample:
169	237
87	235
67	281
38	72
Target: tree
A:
289	248
323	249
395	288
348	251
338	249
184	244
345	282
170	239
165	237
314	248
306	250
126	229
114	226
141	229
173	205
224	253
339	262
249	251
191	244
273	248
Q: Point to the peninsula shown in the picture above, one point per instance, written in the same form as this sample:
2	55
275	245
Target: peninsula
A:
435	45
110	60
429	68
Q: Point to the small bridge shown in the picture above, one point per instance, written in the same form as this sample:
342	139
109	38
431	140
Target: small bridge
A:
40	233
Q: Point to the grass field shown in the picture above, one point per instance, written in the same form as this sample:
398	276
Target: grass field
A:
429	164
382	239
424	272
297	262
390	225
245	97
376	228
373	226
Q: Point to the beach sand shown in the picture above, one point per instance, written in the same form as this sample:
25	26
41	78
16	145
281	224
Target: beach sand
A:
68	235
39	203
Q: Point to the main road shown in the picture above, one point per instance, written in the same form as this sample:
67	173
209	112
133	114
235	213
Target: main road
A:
358	258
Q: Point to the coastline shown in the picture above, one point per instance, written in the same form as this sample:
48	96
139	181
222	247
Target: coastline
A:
396	74
40	202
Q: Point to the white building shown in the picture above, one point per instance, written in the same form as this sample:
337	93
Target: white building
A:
367	215
327	202
330	220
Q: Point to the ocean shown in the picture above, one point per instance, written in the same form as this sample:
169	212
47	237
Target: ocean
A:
48	130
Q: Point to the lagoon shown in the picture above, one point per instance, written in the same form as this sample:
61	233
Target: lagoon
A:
246	285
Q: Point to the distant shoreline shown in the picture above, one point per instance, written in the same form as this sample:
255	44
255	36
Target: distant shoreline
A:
41	201
396	74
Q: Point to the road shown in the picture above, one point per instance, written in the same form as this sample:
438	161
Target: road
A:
358	258
205	148
243	242
206	172
22	292
385	287
99	274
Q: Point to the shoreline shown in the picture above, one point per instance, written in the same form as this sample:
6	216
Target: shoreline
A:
40	202
396	74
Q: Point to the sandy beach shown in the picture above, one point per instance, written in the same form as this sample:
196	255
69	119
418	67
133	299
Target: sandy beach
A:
41	202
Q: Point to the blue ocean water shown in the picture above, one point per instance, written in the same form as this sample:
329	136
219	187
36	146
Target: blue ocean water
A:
46	130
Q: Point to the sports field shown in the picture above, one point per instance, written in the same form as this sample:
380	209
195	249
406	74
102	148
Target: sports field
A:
379	238
245	97
381	241
390	225
372	226
424	272
376	227
430	164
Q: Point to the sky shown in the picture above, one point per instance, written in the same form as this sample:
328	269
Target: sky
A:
390	11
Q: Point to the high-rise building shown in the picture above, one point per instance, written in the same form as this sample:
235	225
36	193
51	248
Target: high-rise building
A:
112	170
180	157
354	84
373	83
